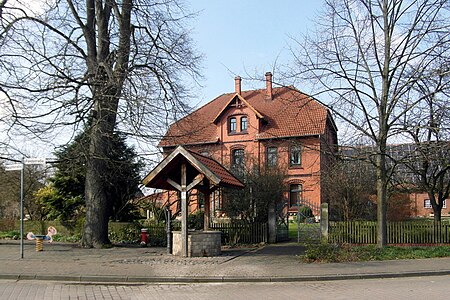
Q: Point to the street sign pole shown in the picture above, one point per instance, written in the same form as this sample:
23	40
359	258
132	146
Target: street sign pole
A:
21	209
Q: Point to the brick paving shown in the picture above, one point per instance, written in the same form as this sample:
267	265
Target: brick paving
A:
270	263
436	287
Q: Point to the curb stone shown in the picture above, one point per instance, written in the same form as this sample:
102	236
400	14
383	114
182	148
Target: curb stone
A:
216	279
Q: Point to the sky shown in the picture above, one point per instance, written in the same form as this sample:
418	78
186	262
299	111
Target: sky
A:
236	37
245	38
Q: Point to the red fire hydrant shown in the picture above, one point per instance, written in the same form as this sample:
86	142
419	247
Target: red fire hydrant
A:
144	237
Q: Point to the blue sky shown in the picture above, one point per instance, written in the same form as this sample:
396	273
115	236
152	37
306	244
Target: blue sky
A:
245	38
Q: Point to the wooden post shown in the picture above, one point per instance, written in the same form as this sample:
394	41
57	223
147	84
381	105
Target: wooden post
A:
324	221
169	229
184	229
207	196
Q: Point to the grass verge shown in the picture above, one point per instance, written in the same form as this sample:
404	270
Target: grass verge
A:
349	253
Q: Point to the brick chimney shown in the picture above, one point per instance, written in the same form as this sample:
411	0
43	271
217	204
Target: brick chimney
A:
237	85
269	94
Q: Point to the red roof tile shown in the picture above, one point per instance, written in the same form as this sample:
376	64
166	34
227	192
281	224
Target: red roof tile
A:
170	168
289	113
227	179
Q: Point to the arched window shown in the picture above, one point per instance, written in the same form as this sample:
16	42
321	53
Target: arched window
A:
244	123
237	162
232	124
295	194
272	156
295	154
238	157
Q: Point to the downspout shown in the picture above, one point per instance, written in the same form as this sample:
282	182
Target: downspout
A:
259	155
221	144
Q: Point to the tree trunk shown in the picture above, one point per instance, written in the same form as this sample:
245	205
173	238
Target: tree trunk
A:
96	226
437	206
107	82
381	196
437	215
95	232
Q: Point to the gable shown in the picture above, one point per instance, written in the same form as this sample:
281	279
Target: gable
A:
236	100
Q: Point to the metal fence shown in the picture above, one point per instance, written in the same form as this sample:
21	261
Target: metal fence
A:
241	233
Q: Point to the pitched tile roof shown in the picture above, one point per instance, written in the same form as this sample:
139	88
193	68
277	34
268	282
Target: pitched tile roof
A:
289	113
170	168
227	179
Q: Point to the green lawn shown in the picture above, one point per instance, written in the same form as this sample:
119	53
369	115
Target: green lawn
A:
308	232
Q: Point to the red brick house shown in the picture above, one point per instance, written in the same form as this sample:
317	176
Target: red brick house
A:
265	127
421	206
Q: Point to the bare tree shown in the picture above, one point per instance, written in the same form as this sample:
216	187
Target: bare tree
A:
34	177
363	58
349	185
110	65
9	194
428	126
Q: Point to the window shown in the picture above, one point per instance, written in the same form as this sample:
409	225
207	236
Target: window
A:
237	161
295	194
232	124
295	156
244	123
238	157
427	203
272	156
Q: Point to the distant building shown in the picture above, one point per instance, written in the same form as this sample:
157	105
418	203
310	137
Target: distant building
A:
403	159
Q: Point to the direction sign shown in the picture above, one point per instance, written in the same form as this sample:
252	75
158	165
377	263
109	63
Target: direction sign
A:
34	161
13	167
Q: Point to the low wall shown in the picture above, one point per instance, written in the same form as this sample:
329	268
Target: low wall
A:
200	243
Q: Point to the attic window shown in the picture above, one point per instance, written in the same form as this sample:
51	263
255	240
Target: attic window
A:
232	124
244	123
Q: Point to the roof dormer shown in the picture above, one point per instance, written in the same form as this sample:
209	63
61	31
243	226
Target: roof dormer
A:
237	101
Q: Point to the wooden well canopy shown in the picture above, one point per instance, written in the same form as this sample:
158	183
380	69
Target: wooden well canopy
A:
183	170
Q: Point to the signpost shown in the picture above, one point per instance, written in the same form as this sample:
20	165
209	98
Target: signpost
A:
34	161
14	167
20	167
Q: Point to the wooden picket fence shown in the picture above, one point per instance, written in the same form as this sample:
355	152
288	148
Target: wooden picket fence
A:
406	232
232	233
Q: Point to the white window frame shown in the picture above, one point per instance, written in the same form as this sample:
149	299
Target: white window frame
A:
244	128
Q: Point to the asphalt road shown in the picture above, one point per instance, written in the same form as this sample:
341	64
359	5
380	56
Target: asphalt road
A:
429	287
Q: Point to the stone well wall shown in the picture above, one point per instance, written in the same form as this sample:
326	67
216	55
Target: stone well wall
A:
200	243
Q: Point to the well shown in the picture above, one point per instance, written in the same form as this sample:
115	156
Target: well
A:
200	243
182	171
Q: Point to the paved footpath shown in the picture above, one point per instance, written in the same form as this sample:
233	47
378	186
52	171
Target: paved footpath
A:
412	288
270	263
